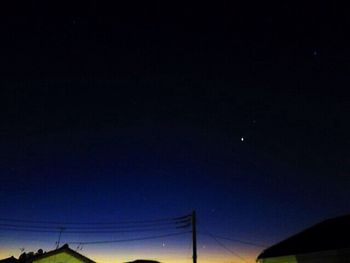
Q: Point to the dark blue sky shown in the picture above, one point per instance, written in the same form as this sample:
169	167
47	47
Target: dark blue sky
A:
141	116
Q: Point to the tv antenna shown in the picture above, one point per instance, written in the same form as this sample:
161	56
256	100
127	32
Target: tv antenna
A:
59	237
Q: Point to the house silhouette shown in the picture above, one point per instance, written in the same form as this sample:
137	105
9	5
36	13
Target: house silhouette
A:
325	242
62	254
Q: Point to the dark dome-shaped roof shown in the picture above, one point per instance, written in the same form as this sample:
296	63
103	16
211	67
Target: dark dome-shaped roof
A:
331	234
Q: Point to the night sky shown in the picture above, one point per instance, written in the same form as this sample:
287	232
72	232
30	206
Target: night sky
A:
147	111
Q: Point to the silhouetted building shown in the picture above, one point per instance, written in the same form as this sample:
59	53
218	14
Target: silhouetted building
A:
325	242
9	260
62	254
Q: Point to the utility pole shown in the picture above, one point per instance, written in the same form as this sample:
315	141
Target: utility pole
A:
194	237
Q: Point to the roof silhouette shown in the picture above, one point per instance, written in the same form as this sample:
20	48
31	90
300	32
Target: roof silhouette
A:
9	260
331	234
64	248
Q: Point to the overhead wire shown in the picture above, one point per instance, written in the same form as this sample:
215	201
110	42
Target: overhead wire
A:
170	219
235	240
101	227
130	239
228	249
84	232
170	224
157	225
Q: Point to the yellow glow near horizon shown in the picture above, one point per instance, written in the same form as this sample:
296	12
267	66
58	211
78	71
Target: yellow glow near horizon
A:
171	259
165	258
118	255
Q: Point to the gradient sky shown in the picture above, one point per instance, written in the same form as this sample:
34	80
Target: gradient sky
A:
140	114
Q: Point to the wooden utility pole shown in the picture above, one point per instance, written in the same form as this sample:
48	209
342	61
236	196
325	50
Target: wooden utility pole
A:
194	237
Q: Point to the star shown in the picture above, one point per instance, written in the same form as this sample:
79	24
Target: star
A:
242	139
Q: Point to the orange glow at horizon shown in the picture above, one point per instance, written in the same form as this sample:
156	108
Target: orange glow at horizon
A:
170	256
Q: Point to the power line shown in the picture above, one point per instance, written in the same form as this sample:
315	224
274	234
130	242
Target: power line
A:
129	240
228	249
127	226
55	229
236	240
16	238
84	232
170	219
177	224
